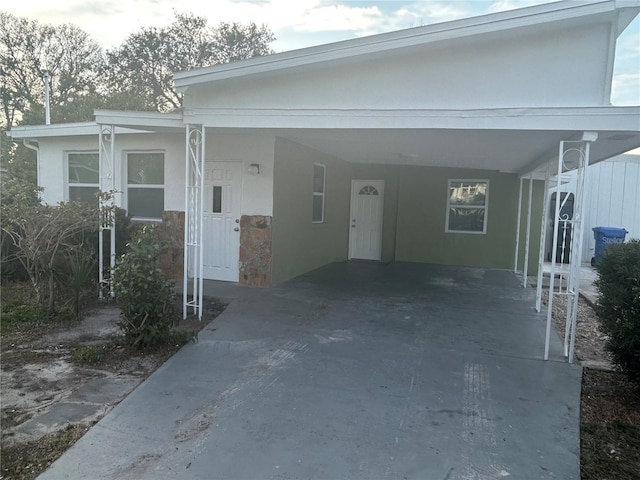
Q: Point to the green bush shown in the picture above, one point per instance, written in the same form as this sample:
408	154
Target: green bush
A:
145	296
619	304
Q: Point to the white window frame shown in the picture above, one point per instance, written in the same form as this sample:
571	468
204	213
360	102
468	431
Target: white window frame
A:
68	184
128	186
319	194
485	206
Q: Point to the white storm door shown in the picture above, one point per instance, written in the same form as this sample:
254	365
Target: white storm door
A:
365	232
221	222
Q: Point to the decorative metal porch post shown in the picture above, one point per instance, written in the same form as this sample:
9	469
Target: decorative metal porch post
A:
193	231
572	156
107	206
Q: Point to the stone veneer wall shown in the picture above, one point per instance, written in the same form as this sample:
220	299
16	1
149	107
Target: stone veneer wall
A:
255	250
171	233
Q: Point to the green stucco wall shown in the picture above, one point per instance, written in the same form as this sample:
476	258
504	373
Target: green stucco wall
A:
298	244
390	175
422	205
415	203
536	225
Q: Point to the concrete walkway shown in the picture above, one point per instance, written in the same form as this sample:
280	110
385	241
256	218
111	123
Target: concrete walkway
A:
354	371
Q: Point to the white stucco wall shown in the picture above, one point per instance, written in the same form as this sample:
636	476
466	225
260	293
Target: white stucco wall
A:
257	196
52	165
257	190
541	68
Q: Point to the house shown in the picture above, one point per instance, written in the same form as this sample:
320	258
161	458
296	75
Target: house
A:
413	145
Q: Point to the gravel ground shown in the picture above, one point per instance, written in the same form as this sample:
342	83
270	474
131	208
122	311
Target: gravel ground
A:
589	345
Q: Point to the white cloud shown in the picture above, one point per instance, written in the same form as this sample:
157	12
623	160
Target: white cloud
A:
625	89
503	5
302	23
339	17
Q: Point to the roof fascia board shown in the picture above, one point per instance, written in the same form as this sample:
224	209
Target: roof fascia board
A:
627	11
390	41
606	118
138	119
63	130
54	130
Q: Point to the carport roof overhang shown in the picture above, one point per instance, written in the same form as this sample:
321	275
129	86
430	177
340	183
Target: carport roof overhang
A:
515	140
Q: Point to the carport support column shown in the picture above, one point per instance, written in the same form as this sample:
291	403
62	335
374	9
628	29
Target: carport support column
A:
106	166
543	236
193	222
525	268
518	222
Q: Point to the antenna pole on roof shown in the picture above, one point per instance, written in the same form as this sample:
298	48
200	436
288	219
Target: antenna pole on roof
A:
47	110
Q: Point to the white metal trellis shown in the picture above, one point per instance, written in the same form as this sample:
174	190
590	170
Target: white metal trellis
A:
568	230
193	222
107	205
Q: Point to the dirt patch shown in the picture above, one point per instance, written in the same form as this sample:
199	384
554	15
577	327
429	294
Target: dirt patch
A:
610	404
59	379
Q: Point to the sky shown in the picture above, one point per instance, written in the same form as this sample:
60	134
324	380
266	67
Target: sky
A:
303	23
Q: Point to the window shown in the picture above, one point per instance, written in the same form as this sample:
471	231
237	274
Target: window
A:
467	206
145	185
368	190
217	199
83	177
317	215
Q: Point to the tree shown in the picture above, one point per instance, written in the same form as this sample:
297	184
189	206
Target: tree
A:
145	64
233	41
75	63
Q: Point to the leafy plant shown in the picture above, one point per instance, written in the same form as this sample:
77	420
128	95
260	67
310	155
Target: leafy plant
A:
619	304
81	266
145	296
87	354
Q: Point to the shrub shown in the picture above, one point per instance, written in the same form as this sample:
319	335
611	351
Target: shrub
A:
40	238
619	304
145	296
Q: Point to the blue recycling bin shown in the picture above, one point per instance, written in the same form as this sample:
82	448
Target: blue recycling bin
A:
606	236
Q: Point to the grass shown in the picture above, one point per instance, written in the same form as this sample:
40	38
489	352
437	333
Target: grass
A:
87	354
19	307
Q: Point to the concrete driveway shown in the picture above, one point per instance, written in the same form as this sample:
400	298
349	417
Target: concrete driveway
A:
353	371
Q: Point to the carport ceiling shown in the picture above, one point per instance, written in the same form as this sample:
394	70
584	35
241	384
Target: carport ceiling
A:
513	151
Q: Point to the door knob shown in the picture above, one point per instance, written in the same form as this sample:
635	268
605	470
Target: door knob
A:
236	229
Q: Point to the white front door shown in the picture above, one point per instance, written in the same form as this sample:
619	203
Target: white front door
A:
365	233
221	222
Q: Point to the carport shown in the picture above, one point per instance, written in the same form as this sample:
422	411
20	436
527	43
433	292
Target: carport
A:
355	370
